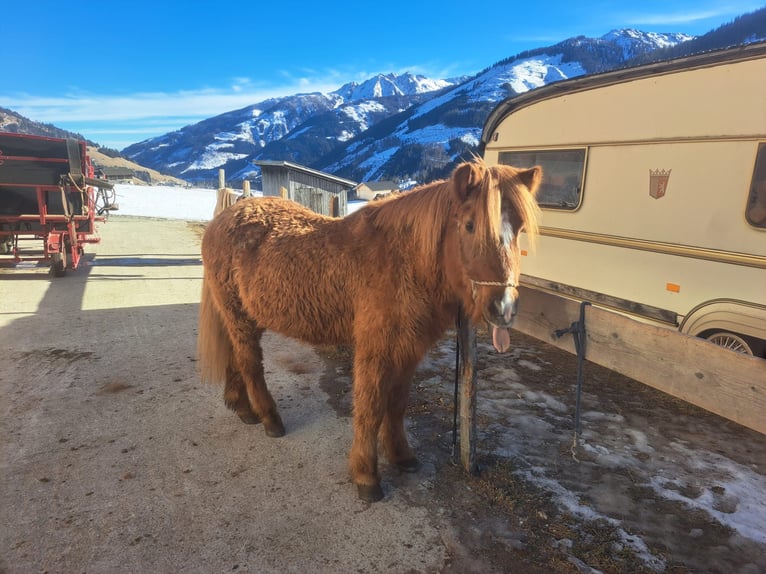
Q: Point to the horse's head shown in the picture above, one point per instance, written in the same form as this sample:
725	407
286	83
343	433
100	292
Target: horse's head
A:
494	204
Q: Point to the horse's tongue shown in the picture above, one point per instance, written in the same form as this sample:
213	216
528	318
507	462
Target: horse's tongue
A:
501	339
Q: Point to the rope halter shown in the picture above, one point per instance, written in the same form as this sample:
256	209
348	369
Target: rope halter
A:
474	284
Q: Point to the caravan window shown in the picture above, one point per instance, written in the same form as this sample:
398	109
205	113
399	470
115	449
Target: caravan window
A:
562	174
756	203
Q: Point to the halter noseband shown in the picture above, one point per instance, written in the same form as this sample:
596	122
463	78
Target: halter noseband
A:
474	284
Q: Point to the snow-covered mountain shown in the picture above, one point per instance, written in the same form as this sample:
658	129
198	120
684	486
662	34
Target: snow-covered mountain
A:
384	85
302	127
449	125
634	43
401	126
386	127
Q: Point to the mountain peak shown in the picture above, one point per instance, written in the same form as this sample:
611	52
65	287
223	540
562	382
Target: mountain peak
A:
392	84
630	37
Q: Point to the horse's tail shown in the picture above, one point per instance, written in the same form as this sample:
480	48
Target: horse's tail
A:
214	348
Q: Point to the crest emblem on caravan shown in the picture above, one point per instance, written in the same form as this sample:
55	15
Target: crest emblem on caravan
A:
658	182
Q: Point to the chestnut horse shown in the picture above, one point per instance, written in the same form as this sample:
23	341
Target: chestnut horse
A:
388	279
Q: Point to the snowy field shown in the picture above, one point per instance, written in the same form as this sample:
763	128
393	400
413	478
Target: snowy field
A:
664	475
192	204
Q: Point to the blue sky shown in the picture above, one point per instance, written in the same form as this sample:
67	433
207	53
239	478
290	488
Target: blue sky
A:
120	72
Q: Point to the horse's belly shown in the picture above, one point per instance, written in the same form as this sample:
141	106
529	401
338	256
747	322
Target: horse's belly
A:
312	320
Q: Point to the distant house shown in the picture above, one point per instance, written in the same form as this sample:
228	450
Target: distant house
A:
124	174
370	190
319	191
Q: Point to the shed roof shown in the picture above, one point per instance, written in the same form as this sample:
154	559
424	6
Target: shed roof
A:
303	169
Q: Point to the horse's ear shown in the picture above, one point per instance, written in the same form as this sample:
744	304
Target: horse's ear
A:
532	178
466	179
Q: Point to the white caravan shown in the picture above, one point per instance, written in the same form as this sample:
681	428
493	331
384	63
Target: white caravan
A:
654	190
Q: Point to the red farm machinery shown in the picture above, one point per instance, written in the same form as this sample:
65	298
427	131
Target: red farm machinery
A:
50	200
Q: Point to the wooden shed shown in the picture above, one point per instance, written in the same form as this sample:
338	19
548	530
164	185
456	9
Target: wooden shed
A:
319	191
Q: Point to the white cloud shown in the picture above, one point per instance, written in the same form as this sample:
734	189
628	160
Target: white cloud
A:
674	18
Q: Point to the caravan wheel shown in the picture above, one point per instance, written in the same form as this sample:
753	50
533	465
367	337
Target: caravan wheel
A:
730	341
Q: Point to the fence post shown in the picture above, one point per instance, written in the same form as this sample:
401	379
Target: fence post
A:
221	179
246	188
467	343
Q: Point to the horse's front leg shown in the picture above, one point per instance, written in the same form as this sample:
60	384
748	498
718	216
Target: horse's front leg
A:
393	437
369	407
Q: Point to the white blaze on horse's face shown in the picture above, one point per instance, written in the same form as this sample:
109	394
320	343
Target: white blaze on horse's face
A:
502	309
506	233
507	305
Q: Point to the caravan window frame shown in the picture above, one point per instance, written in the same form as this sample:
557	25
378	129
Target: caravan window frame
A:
755	211
552	195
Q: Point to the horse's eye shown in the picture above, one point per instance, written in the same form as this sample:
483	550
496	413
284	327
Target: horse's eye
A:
469	226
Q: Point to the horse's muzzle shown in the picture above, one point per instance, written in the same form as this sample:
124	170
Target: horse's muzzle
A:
500	316
501	312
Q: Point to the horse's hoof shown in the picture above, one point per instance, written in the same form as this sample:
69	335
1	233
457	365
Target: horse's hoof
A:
249	418
409	465
274	429
369	492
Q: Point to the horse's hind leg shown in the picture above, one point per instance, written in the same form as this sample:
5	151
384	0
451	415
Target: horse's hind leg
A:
235	397
248	363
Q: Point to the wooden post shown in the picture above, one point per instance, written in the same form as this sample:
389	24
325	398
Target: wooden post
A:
246	188
221	179
467	342
283	192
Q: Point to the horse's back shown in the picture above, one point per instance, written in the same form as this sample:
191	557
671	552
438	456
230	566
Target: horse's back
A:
284	266
261	215
251	225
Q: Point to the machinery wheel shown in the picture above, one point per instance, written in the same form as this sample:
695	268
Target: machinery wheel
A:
58	264
730	341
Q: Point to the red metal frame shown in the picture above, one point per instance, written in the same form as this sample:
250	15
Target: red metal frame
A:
62	234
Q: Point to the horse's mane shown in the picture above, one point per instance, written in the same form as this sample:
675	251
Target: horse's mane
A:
524	202
425	210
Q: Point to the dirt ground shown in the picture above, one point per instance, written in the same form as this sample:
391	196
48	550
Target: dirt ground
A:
114	458
539	503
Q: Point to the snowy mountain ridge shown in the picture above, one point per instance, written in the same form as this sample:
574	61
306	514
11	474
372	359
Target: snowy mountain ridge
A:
436	124
194	151
384	85
394	126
